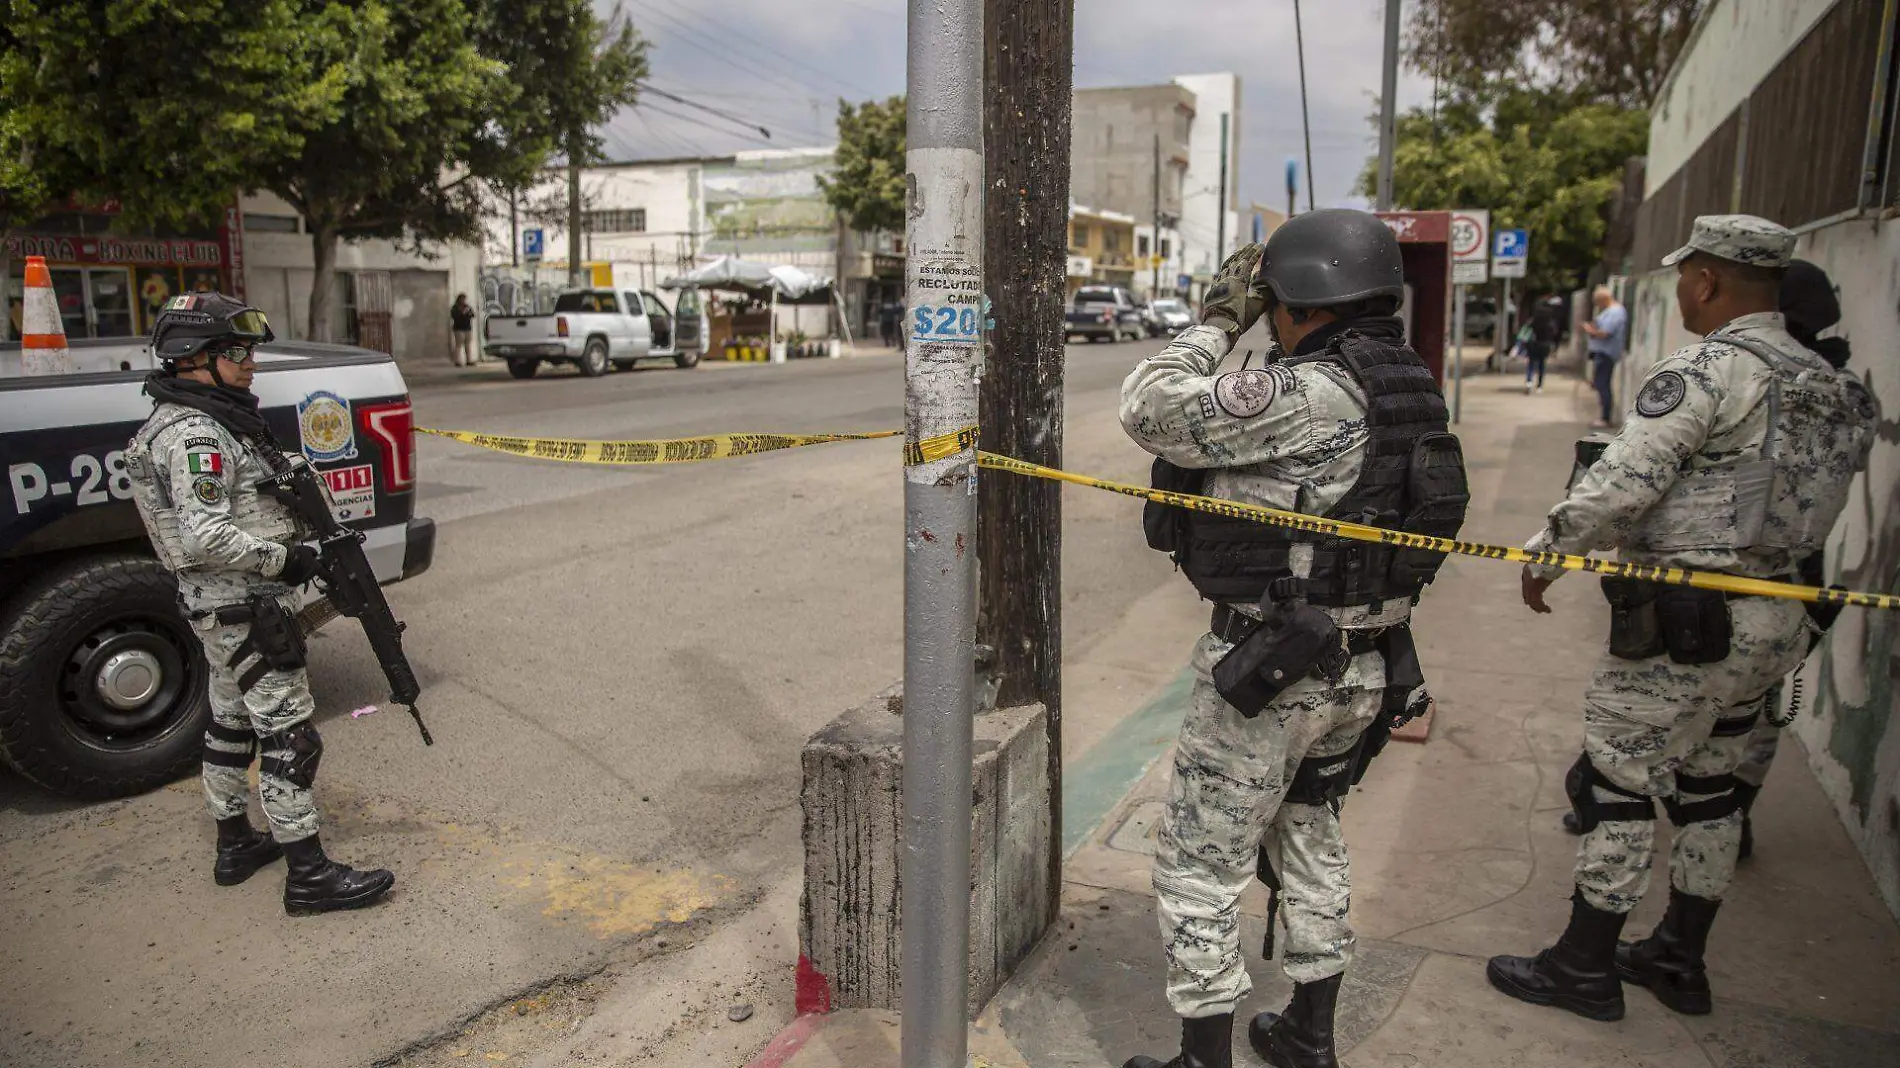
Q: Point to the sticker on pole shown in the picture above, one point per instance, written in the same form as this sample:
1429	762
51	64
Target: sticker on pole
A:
946	303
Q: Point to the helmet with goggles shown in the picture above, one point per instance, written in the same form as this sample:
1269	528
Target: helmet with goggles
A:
196	322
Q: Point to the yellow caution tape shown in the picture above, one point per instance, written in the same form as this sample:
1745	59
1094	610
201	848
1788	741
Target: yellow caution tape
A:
667	451
929	449
716	446
1708	580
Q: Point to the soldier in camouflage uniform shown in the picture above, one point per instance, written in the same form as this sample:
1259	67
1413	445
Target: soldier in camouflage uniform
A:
237	553
1737	458
1291	435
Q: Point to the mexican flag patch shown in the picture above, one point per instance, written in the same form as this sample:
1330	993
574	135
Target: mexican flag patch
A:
206	463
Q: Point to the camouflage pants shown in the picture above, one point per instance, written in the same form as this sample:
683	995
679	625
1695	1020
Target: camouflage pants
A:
1230	776
1759	754
1646	720
278	701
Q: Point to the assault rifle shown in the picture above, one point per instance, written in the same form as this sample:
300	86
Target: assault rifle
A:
344	576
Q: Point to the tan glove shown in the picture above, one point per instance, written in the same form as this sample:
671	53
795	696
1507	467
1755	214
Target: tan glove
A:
1231	304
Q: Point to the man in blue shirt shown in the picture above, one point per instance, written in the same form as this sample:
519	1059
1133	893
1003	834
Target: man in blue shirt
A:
1608	332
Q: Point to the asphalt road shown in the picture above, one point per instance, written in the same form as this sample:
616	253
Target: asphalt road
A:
619	667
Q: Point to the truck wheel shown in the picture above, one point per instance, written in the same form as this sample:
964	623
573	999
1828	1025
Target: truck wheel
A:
593	362
103	685
523	368
688	358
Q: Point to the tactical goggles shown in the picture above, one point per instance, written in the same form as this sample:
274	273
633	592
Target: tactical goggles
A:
240	353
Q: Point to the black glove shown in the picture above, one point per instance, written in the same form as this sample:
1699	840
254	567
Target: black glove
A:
301	564
1232	304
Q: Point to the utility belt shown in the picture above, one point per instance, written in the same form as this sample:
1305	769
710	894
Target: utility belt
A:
1232	626
1649	619
275	637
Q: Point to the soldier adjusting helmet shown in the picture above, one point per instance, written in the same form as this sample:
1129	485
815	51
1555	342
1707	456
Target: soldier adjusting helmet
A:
193	322
1333	257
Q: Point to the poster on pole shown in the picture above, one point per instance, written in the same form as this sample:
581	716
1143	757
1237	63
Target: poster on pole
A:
1470	246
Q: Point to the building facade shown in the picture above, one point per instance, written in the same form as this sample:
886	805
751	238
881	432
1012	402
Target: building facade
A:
1210	225
1101	248
1128	154
1768	112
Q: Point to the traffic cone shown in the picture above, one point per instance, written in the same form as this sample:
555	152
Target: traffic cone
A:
42	335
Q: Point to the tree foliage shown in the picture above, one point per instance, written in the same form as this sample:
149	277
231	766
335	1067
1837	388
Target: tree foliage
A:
1611	51
373	118
866	186
1539	160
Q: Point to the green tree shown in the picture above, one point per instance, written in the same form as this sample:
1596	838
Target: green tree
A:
373	118
1613	51
1538	160
866	186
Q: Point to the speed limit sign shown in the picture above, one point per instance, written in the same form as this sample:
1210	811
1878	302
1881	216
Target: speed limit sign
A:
1470	245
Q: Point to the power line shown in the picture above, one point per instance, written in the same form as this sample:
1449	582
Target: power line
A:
718	50
736	120
769	50
681	116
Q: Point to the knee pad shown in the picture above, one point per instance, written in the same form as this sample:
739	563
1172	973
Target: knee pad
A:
231	736
306	750
1580	785
1322	780
1722	800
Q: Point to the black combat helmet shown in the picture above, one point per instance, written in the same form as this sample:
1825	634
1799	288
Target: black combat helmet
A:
1333	256
192	321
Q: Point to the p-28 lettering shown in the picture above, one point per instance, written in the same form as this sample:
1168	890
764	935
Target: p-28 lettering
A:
92	481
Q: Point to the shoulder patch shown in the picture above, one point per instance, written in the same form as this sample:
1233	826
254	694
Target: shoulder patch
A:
1245	394
207	489
1283	378
1207	406
1661	394
203	443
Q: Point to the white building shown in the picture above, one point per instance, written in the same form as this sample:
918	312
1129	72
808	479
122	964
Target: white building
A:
1210	228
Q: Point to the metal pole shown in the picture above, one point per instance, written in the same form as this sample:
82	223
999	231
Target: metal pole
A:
1500	344
1458	355
1220	212
1388	104
944	282
1154	238
573	210
1306	121
514	233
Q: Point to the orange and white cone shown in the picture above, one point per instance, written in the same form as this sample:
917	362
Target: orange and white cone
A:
42	335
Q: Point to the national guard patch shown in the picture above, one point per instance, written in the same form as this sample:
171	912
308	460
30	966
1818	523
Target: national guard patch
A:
1661	394
1244	394
207	489
1207	406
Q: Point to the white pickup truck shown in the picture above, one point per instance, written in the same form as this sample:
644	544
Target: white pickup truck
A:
598	328
102	682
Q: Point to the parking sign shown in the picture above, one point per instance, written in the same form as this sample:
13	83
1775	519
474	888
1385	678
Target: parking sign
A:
532	242
1512	245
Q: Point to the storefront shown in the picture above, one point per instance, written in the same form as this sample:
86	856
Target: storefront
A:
112	285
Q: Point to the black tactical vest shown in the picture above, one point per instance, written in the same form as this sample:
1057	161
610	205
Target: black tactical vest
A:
1412	479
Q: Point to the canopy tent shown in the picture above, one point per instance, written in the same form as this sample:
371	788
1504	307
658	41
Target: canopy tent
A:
786	283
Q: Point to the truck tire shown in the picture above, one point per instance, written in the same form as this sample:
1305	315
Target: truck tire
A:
593	361
523	368
103	685
689	358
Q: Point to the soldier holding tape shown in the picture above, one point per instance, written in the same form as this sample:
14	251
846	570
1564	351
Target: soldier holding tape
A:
1309	645
1737	458
237	553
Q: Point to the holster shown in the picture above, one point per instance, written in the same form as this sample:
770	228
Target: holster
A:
1404	677
275	638
1294	639
1648	619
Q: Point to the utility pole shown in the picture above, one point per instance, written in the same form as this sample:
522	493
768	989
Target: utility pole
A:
1027	114
514	232
1306	118
1154	239
574	208
1388	104
943	161
1220	227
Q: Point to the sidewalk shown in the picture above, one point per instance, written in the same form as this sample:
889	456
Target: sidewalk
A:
1457	855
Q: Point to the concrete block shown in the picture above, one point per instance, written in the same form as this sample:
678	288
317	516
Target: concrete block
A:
849	936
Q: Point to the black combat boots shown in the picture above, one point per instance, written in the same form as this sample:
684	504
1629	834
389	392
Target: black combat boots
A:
1301	1037
1578	973
242	850
1669	961
318	884
1207	1042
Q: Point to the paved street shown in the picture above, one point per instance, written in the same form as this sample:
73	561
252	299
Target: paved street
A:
619	669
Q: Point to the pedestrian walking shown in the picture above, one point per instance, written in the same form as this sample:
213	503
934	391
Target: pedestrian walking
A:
1738	460
1608	332
462	326
1345	420
887	316
239	558
1547	329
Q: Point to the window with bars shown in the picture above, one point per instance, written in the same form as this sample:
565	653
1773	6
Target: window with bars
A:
615	221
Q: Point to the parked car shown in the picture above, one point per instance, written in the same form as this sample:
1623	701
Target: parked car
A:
1104	312
102	681
1166	316
595	329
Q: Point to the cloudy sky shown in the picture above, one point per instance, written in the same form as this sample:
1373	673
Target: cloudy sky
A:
784	64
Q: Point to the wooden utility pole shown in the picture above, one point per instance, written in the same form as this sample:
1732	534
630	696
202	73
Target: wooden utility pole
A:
1028	55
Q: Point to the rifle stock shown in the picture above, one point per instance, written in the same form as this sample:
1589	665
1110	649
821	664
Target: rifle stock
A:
345	576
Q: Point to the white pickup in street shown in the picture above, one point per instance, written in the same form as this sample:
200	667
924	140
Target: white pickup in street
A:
595	329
